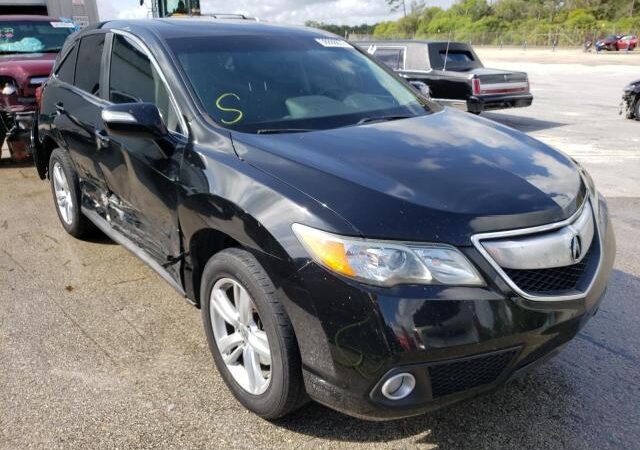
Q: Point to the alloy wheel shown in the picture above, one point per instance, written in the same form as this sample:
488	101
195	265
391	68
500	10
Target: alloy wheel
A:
63	194
240	336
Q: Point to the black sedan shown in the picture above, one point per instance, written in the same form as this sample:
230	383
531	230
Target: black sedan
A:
347	239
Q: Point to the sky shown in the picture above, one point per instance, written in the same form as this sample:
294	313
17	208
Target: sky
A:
341	12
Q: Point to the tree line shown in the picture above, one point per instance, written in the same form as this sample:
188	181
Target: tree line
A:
474	18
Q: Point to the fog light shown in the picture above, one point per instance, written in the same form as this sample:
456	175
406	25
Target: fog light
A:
399	386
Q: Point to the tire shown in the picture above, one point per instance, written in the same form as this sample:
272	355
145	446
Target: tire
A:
69	213
284	391
636	108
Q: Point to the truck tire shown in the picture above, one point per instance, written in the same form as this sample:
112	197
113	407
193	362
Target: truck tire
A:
67	196
250	335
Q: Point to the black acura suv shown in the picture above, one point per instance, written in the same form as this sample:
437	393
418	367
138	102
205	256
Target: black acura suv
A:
347	240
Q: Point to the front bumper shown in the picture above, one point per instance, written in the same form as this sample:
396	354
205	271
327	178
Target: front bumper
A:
458	342
480	103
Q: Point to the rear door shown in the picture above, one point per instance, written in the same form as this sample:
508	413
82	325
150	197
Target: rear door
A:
141	173
62	77
78	107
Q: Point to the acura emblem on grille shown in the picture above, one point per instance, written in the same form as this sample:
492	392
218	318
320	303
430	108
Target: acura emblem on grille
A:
576	248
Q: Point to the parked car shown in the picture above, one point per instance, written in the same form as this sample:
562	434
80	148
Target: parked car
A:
617	42
454	74
347	239
629	42
28	49
608	43
630	105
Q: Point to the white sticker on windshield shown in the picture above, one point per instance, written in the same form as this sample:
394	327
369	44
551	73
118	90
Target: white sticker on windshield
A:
62	25
325	42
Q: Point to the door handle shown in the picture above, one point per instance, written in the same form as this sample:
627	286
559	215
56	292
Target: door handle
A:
102	139
60	108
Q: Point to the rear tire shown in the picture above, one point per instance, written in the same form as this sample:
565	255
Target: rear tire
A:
65	188
233	278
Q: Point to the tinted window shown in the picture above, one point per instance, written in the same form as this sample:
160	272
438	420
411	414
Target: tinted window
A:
456	56
259	84
392	57
133	79
67	67
89	63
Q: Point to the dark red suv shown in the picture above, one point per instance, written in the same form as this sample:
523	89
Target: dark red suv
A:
29	46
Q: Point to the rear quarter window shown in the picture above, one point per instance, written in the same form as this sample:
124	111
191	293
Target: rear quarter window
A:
391	57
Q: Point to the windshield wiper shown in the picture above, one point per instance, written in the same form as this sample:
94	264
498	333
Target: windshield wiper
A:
382	119
51	50
283	130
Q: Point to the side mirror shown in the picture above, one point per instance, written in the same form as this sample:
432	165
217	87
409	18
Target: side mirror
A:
141	120
422	88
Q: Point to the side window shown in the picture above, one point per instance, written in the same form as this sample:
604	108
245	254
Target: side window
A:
133	78
89	63
67	66
392	57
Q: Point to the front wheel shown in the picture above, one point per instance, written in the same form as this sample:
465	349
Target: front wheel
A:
250	335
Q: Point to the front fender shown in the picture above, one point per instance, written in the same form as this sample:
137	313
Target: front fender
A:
221	192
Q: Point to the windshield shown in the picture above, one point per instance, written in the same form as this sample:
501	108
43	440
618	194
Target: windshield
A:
33	36
263	83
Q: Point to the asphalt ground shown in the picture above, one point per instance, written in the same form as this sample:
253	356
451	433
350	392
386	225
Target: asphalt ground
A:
96	351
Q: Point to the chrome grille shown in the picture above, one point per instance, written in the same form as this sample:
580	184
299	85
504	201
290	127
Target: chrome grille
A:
541	263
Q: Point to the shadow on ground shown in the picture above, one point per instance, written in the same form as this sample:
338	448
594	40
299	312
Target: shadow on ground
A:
521	123
6	163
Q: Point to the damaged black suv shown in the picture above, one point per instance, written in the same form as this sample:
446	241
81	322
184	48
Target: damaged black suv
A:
347	240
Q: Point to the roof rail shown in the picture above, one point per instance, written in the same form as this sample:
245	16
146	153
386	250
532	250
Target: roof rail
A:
218	16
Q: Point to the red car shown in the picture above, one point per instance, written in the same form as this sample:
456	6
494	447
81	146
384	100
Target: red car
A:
628	42
617	42
29	46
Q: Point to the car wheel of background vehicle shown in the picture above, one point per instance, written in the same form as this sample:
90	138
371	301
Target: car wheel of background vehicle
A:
250	335
66	194
636	108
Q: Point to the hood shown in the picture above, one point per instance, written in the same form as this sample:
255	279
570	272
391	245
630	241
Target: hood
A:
440	177
22	67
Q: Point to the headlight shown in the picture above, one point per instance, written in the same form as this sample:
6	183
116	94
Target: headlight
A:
386	263
9	89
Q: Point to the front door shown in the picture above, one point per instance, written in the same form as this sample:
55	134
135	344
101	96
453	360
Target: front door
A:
141	174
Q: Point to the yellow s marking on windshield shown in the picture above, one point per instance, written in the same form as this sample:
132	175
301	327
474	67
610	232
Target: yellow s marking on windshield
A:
222	108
